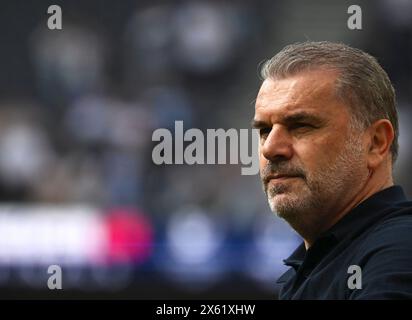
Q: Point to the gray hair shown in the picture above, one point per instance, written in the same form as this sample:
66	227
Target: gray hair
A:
362	83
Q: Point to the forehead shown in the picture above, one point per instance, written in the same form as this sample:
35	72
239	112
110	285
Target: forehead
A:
307	91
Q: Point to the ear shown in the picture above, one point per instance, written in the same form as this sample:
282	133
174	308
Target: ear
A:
381	138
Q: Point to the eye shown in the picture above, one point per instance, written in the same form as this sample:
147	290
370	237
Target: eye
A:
301	126
264	132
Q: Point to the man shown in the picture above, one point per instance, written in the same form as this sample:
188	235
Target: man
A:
328	139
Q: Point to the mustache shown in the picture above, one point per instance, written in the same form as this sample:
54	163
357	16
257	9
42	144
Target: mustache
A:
280	168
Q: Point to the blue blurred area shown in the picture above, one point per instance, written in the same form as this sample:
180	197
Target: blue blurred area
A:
78	107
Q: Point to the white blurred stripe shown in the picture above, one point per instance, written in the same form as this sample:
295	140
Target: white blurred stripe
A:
51	234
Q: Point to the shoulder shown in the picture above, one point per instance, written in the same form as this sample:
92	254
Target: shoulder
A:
393	230
385	258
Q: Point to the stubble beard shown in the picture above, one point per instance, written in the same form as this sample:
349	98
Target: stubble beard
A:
309	199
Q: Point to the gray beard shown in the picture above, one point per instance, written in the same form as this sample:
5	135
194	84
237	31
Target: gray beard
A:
320	191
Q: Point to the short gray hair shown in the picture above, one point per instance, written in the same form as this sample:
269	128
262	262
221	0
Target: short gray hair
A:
361	83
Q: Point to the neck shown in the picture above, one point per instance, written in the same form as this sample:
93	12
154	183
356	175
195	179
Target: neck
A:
374	183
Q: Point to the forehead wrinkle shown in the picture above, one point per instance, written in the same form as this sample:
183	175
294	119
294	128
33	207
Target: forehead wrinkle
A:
294	92
275	93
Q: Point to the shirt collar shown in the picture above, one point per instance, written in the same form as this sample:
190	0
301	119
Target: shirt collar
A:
370	210
296	258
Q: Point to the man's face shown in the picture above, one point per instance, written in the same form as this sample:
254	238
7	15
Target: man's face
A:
311	159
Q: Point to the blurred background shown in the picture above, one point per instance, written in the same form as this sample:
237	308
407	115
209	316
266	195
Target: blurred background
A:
78	107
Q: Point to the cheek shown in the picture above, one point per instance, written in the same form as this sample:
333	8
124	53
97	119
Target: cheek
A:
315	153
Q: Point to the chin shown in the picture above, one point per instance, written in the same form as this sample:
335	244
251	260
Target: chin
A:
283	202
287	205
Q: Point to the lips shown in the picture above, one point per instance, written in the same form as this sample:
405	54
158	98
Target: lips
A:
281	177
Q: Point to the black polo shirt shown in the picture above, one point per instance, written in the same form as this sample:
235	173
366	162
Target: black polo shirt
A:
376	236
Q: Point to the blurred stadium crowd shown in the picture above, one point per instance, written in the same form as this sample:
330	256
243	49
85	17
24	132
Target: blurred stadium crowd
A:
78	107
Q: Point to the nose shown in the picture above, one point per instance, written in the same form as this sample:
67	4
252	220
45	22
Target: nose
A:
278	145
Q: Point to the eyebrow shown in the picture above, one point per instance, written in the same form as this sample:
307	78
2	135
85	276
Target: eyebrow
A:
289	119
257	124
